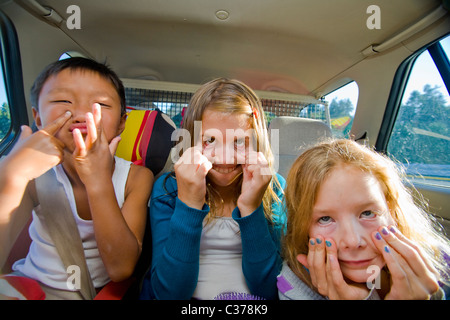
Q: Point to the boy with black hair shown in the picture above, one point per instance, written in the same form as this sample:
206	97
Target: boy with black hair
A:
79	108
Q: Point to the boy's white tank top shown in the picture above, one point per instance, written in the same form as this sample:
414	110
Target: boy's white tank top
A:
43	263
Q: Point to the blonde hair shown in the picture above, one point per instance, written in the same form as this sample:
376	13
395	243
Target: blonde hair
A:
232	96
407	210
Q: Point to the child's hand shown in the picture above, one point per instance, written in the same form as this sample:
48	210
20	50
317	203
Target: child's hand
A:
36	153
326	274
256	178
412	276
94	155
191	170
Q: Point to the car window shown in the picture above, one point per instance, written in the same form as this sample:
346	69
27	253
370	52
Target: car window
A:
5	115
13	108
337	109
421	134
172	99
342	105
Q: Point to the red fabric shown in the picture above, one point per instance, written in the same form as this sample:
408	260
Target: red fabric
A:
141	128
19	249
147	133
28	288
114	290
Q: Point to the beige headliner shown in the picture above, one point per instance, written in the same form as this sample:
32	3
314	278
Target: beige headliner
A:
296	46
288	45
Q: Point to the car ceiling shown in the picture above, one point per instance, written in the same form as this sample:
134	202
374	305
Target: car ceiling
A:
288	46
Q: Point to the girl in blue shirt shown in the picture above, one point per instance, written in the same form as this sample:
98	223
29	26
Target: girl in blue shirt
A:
217	219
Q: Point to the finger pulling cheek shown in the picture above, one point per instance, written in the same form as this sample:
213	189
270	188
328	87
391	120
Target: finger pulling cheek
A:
208	155
241	157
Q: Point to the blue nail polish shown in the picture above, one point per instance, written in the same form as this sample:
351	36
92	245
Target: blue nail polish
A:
385	231
386	248
318	241
311	241
378	236
328	243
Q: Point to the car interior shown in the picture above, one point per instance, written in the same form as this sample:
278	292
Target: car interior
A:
321	69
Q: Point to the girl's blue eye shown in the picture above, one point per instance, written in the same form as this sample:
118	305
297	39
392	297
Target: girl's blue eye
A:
368	214
325	220
239	143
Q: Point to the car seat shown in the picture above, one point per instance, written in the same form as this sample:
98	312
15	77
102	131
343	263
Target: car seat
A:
295	135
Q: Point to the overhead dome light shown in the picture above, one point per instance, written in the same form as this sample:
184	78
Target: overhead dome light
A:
222	14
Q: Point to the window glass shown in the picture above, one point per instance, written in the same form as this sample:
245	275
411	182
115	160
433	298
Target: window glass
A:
70	54
342	105
65	55
5	115
421	135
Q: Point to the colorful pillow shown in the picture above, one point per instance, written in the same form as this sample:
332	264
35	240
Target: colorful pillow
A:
146	139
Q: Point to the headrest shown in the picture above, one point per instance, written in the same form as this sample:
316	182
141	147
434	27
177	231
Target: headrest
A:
298	134
295	136
146	139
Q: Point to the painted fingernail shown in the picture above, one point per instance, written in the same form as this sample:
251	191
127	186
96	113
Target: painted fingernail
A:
318	241
328	243
386	248
378	236
385	231
392	229
311	241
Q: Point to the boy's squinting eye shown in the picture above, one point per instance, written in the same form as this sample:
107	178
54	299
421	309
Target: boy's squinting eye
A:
104	105
61	101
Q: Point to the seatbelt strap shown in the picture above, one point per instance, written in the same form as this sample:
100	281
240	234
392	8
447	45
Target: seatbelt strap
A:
57	215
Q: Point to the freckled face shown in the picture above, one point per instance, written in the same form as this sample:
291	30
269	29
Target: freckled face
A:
349	207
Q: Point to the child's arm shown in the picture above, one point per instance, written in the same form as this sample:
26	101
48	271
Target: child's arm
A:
261	257
261	261
15	211
119	231
256	178
32	156
176	233
177	227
